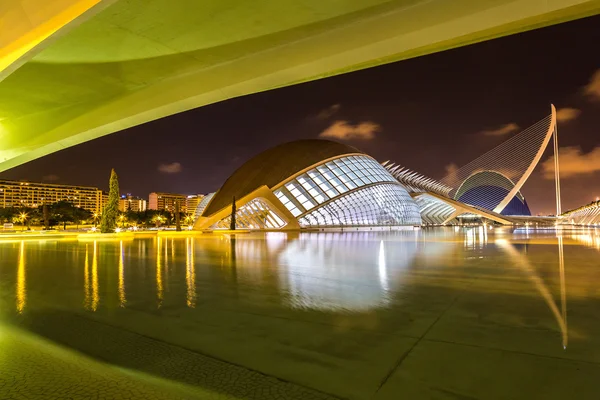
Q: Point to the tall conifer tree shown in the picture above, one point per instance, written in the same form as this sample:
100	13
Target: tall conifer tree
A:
111	211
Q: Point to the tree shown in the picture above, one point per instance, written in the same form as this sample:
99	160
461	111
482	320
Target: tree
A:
62	211
111	211
46	216
79	215
233	211
177	217
7	214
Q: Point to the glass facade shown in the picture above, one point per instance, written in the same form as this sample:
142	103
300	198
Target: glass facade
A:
202	205
385	204
255	214
330	180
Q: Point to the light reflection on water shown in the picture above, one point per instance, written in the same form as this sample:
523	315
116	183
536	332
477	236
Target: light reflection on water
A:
21	280
339	273
329	271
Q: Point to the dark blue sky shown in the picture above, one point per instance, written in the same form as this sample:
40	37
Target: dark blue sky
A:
430	112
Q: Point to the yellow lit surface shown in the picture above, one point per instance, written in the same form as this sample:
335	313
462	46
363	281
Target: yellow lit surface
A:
25	24
136	61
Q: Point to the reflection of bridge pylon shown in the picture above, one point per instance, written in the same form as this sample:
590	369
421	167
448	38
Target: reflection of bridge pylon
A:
521	261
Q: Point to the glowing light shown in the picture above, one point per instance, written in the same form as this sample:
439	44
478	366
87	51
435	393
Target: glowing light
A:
21	280
117	230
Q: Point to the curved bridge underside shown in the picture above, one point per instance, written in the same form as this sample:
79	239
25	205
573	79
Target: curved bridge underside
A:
75	70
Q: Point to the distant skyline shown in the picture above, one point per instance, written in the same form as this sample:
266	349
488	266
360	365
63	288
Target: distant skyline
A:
426	113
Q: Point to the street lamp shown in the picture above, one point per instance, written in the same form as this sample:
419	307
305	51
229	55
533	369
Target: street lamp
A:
23	218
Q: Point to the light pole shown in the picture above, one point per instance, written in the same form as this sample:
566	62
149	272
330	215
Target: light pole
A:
23	218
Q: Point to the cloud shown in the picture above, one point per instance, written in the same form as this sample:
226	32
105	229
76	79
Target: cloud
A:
451	177
567	114
50	178
502	130
342	130
573	162
328	112
173	168
592	89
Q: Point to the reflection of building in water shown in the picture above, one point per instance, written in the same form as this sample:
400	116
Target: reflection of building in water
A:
344	271
589	237
159	282
21	280
92	296
122	297
190	273
476	238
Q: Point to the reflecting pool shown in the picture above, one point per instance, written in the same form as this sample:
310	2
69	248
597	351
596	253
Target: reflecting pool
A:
438	313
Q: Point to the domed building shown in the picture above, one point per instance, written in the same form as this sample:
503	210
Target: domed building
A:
310	184
487	189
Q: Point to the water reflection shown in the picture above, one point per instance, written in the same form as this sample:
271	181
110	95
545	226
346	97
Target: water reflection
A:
122	296
589	237
382	267
21	280
356	274
159	281
563	288
333	271
190	273
476	238
91	289
521	261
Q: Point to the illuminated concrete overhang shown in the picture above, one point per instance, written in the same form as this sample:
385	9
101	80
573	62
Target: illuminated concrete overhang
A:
97	67
263	193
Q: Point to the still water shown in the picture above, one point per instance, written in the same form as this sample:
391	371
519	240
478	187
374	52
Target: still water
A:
442	313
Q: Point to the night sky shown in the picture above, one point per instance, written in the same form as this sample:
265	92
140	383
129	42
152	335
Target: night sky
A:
424	113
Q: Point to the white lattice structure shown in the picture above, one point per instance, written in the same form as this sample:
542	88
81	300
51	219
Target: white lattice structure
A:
414	181
515	159
586	215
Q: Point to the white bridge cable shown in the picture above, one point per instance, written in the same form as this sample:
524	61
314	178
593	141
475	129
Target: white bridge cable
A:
528	135
511	158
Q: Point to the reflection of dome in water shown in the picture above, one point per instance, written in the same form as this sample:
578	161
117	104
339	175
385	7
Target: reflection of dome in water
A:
487	189
344	271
